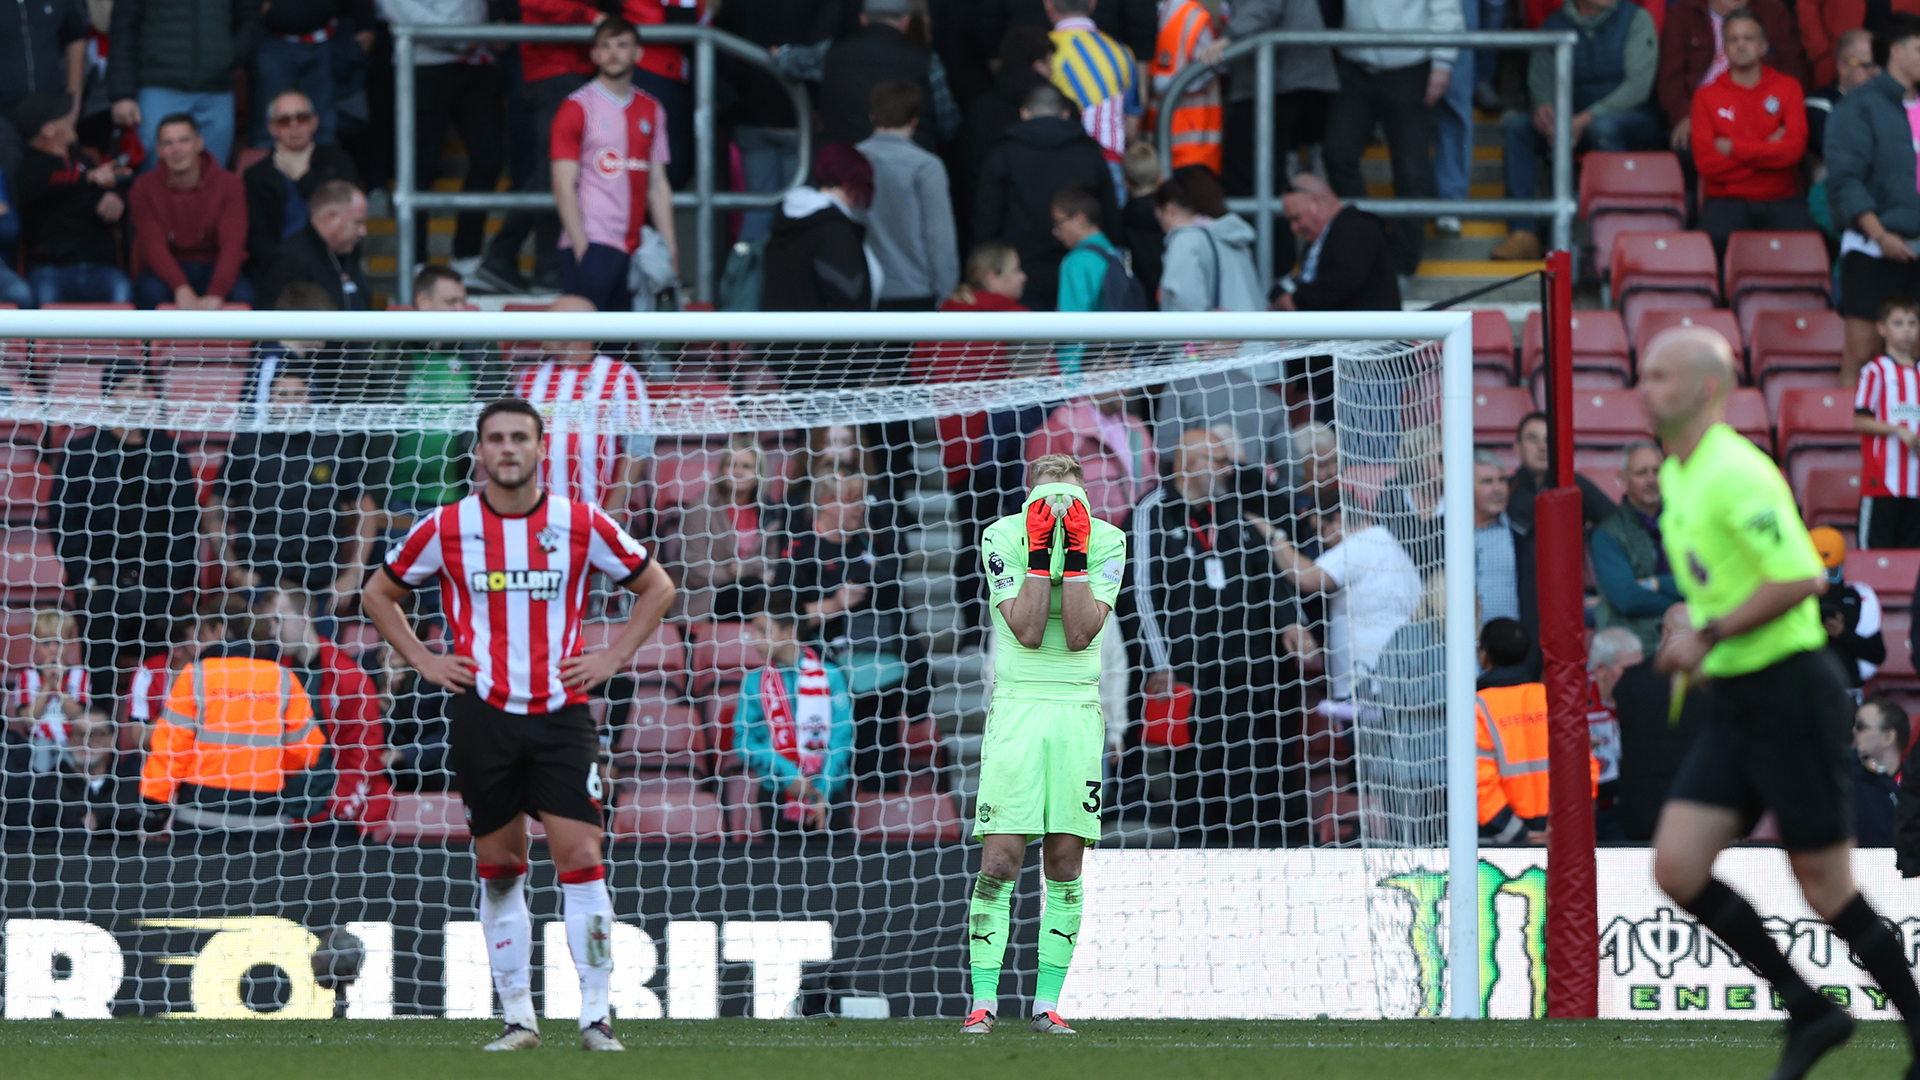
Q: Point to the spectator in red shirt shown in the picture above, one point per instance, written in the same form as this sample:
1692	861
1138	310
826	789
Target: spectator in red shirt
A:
189	225
1692	55
1749	132
663	72
346	703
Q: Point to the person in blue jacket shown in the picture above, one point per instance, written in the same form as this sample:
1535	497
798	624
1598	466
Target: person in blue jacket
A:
793	728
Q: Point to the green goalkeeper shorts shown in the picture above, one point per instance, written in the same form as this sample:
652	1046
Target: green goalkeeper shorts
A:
1040	770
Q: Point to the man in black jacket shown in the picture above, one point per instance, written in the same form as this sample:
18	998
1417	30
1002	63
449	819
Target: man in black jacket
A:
1210	611
1346	266
279	185
68	201
1037	157
179	56
1652	741
1526	483
41	52
326	252
124	523
880	52
1026	63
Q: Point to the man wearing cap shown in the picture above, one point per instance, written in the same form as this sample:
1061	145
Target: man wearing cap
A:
69	201
1851	614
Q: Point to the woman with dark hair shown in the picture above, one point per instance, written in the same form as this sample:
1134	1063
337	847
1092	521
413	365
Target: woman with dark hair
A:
1209	263
816	257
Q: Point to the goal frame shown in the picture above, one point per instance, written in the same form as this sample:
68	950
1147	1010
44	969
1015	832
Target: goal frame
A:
1452	329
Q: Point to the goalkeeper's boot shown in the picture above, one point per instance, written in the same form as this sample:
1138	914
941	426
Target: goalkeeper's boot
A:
1808	1040
1049	1023
979	1022
515	1037
598	1036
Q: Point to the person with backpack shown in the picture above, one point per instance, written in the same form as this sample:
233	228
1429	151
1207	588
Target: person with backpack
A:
1093	277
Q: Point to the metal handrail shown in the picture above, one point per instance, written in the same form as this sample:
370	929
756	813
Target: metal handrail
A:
705	40
1264	205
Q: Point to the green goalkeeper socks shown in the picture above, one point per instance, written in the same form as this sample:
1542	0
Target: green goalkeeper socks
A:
989	916
1059	929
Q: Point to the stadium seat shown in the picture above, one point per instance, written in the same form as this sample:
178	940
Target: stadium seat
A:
1604	421
919	814
722	658
1497	412
216	383
1747	414
75	378
16	637
248	156
1662	270
1776	271
662	733
663	657
1492	349
26	485
90	350
1815	431
1896	630
1890	571
1601	359
1622	192
682	473
1718	320
1607	479
30	570
423	817
1795	349
1831	497
654	808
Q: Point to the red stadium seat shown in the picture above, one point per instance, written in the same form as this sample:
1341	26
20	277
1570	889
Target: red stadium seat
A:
218	384
16	639
1497	412
75	378
1601	360
918	815
424	817
89	350
1622	192
1492	349
1815	430
1896	629
1604	421
26	485
1831	497
1718	320
1891	573
722	659
662	658
1662	270
662	733
682	473
30	571
655	808
1747	414
1795	349
1777	271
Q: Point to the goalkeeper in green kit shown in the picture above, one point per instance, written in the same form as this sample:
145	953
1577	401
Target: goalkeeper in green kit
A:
1053	571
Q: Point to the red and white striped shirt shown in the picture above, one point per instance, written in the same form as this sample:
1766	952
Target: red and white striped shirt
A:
147	696
585	405
1890	393
52	725
515	588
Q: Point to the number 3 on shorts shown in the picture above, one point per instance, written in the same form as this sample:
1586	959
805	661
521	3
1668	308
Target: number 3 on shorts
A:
1092	805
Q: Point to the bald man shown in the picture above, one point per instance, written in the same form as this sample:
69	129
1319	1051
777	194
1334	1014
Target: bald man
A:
597	418
1779	716
1211	612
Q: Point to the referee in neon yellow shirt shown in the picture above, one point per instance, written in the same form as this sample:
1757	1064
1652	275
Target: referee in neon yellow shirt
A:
1777	733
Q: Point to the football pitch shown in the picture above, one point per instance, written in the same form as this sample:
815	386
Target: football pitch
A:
926	1049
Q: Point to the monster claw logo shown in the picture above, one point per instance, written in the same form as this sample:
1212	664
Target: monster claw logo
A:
1427	891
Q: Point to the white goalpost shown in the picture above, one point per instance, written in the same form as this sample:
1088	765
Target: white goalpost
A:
1294	856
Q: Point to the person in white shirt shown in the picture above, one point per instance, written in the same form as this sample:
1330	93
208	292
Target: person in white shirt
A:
1372	588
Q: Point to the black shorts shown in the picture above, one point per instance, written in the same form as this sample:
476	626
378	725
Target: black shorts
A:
1866	282
1889	521
507	763
1777	739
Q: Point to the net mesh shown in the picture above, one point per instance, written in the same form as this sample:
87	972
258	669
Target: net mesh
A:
164	498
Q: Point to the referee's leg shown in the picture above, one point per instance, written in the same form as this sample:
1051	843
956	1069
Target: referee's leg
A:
1826	878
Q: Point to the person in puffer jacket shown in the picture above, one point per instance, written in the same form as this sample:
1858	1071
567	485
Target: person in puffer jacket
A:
179	56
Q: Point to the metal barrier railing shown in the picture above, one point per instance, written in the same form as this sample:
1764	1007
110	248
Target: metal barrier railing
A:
707	43
1264	204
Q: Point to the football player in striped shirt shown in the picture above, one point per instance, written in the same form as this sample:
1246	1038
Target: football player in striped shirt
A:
513	564
586	393
1886	407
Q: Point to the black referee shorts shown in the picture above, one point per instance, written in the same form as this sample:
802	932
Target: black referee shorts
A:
1776	739
508	763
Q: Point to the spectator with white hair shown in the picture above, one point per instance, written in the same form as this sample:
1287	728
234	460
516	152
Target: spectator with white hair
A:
1613	651
1629	561
1503	552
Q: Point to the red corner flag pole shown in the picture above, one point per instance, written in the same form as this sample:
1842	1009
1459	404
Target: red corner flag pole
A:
1573	930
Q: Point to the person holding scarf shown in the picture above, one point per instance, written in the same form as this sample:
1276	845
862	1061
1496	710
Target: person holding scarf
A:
793	728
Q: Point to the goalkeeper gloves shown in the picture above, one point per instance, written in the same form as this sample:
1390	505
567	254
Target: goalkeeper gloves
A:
1040	525
1079	526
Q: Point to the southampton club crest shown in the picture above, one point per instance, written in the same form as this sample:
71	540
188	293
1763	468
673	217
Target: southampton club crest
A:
548	539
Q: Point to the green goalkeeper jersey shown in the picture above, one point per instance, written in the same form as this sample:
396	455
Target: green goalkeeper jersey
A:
1050	672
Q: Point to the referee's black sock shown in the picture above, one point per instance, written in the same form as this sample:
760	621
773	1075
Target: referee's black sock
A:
1861	927
1734	921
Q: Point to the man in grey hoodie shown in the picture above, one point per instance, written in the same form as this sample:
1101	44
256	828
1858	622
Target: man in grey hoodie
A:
910	224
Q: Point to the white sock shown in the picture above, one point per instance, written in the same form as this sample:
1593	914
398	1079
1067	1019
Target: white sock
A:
589	914
509	932
990	1006
1045	1007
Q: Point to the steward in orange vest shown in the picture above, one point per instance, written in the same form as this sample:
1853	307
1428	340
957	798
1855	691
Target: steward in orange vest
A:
1186	27
235	726
1510	737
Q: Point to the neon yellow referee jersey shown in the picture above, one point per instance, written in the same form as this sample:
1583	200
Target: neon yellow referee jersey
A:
1729	525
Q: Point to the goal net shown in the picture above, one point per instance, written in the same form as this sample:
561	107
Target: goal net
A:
1275	687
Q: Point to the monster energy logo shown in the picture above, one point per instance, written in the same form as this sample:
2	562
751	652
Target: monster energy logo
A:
1427	891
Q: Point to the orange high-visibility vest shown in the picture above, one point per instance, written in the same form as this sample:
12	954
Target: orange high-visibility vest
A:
1198	117
236	723
1511	740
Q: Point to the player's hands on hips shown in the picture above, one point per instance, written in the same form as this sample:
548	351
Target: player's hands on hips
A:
1040	525
452	672
1079	527
590	669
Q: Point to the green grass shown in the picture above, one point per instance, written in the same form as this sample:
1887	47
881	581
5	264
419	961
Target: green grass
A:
928	1050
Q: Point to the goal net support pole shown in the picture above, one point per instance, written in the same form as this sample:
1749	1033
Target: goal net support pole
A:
1573	944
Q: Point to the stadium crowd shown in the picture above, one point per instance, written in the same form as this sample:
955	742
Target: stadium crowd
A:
976	156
